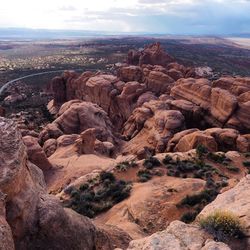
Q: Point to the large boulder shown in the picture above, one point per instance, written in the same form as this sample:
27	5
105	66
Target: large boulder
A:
77	118
178	236
37	220
36	154
223	104
197	91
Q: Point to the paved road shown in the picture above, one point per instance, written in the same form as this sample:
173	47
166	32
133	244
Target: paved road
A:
6	85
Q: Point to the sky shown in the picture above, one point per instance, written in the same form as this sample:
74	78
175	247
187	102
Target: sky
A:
148	16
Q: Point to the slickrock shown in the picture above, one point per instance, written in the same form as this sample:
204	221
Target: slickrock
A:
223	104
130	73
36	154
191	141
77	118
152	125
6	238
177	236
235	200
150	207
159	82
236	86
197	91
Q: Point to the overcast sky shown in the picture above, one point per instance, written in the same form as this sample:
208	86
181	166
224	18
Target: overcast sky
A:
153	16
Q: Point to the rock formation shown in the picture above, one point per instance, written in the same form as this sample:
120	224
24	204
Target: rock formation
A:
37	220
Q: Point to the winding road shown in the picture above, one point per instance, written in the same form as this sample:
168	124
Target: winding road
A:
6	85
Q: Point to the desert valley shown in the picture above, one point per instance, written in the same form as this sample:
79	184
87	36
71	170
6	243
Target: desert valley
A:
138	148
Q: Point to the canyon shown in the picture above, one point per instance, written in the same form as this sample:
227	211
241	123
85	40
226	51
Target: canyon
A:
132	159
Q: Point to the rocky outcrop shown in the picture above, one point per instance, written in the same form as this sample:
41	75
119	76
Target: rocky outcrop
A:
214	139
130	73
36	154
235	200
191	141
223	104
37	220
195	91
152	125
219	101
178	236
77	118
153	54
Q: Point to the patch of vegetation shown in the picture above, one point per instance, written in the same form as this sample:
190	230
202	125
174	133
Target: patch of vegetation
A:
222	225
233	169
189	217
246	163
247	155
95	197
151	162
144	175
218	158
205	197
125	165
201	151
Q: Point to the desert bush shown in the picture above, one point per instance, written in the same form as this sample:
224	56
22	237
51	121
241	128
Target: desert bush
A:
222	225
168	159
91	200
205	196
151	162
144	175
125	165
201	151
189	217
219	158
246	163
233	169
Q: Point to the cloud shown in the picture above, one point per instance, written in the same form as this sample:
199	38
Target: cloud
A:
161	16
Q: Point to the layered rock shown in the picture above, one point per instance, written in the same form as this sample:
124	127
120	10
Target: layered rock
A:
235	200
214	139
152	54
77	118
37	220
152	125
224	102
36	154
178	236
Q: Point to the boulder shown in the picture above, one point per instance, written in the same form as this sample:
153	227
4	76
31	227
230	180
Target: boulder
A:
192	140
36	154
177	236
130	73
197	91
223	104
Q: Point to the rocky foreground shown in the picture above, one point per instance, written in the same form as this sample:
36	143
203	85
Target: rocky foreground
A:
131	161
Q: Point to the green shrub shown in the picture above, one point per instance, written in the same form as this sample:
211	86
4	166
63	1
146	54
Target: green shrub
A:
91	200
144	175
246	163
151	162
188	217
168	159
205	196
219	158
233	169
222	225
125	165
201	151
